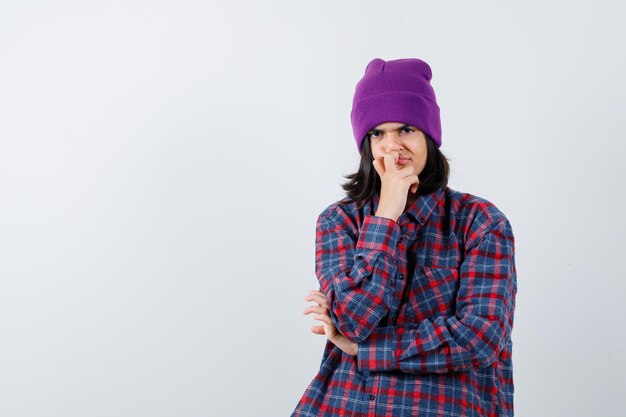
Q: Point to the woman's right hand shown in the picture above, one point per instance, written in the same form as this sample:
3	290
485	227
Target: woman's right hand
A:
395	184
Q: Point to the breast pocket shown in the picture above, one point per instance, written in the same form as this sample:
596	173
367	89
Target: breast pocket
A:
432	292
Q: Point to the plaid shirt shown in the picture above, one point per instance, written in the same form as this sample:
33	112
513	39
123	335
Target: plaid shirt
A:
429	300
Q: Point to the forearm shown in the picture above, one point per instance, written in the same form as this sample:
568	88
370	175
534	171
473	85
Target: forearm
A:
443	345
361	283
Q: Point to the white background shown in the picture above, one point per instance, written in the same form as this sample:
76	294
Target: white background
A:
162	165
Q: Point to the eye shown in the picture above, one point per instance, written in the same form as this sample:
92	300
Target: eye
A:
407	129
374	134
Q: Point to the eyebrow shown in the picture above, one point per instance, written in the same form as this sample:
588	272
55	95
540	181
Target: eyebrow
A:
399	128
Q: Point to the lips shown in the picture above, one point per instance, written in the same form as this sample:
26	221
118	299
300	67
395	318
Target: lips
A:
403	160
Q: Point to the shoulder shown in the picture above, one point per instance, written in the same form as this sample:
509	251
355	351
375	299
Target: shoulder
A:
343	213
475	213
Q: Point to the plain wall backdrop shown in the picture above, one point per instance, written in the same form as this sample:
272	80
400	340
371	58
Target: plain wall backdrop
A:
163	163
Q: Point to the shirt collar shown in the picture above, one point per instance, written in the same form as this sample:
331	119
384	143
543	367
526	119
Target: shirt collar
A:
421	208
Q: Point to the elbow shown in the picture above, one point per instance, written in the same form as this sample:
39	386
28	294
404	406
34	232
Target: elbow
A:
354	330
354	323
485	358
359	336
487	337
486	353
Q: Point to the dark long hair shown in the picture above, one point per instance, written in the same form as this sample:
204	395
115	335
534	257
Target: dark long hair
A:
362	185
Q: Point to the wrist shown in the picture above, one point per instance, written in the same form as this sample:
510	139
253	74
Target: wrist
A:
382	213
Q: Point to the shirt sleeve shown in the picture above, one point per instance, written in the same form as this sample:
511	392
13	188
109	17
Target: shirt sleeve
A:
475	334
357	271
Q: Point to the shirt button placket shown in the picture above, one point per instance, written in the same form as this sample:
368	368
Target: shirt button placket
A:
401	241
401	277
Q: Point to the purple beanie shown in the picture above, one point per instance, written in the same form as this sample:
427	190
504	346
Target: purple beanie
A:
395	91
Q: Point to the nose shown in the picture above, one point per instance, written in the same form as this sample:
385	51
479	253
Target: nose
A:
392	142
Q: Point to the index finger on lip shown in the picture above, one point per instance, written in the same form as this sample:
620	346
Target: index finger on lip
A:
391	157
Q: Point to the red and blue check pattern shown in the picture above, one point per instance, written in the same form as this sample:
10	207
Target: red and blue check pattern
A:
429	300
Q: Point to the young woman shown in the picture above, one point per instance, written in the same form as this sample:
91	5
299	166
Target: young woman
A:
417	281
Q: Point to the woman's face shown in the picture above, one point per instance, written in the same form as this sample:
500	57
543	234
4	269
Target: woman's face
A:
408	141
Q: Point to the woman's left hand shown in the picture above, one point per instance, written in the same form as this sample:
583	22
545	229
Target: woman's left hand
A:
328	328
